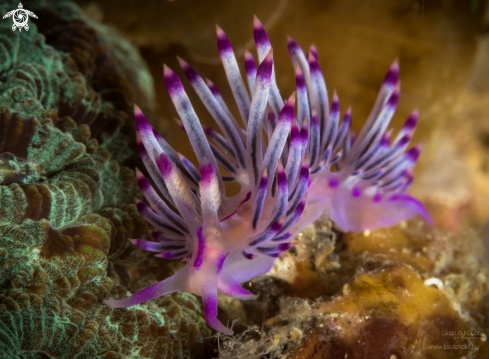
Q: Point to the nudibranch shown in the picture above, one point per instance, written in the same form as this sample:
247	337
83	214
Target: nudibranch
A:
359	181
226	241
292	163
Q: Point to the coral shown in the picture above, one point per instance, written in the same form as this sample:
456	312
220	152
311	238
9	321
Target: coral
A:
66	203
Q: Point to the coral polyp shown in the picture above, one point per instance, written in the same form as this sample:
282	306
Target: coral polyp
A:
360	181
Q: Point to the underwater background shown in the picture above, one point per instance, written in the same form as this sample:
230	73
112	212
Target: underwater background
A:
68	153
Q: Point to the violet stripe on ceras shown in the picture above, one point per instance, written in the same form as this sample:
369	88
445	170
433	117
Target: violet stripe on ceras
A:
250	68
155	246
179	190
390	81
304	137
216	111
219	141
155	220
294	158
302	99
157	204
314	52
279	137
377	130
210	196
222	160
407	160
189	117
301	188
332	124
190	168
299	59
259	200
319	99
282	194
294	217
233	75
258	106
263	47
343	130
315	138
409	126
175	156
267	234
153	170
220	101
377	148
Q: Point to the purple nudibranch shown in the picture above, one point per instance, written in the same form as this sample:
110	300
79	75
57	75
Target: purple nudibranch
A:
310	163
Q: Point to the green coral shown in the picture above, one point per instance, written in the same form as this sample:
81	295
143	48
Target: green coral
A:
66	198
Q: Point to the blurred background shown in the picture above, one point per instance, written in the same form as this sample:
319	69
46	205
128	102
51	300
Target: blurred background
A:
442	46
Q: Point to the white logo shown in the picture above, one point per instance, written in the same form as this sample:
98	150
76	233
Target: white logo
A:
20	17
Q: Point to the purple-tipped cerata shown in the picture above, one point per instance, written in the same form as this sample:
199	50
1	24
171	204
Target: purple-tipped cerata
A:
293	160
226	240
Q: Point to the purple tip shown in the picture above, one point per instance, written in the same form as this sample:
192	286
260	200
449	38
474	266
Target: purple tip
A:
295	134
412	121
142	123
394	98
413	153
172	82
248	255
223	43
347	116
386	139
208	131
213	88
261	38
142	208
277	226
143	183
292	46
250	65
392	75
191	74
299	79
335	104
404	140
287	112
314	51
285	246
264	181
164	164
264	72
207	173
281	177
271	117
313	64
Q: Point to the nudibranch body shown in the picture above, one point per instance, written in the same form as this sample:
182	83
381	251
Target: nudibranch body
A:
291	165
226	241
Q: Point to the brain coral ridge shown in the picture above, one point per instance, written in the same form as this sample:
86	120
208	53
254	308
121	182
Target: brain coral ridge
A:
66	198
